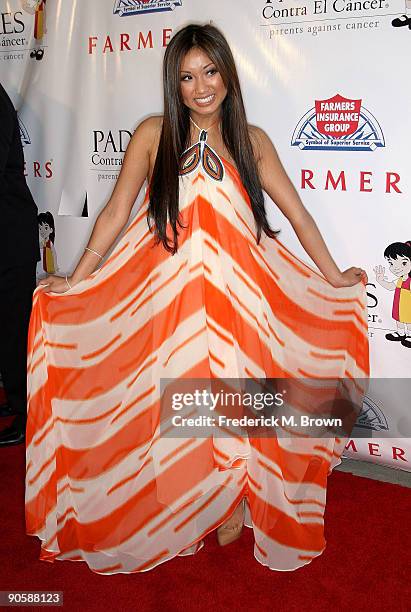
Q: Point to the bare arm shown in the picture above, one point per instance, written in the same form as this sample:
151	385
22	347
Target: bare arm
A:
114	216
278	186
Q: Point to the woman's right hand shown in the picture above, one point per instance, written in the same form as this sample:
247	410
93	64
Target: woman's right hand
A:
56	284
351	277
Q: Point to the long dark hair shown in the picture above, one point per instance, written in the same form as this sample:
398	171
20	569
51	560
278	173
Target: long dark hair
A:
399	249
164	201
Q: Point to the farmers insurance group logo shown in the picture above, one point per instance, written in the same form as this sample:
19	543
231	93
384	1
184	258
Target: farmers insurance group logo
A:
338	123
136	7
371	417
34	168
24	135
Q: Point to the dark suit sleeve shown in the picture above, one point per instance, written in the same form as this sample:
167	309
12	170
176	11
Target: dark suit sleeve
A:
6	129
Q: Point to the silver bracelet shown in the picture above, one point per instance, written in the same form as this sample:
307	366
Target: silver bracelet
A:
70	287
93	251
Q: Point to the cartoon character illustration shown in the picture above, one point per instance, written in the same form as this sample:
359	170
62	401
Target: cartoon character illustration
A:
47	236
398	255
404	20
38	9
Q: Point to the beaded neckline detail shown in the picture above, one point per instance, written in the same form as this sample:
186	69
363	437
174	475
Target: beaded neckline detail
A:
202	153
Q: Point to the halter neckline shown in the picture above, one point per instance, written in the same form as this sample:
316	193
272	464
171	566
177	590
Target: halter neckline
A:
203	129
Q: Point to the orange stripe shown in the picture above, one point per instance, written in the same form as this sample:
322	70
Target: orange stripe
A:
37	345
248	228
172	515
121	483
102	349
254	483
262	551
43	467
206	504
72	489
276	336
109	568
248	311
219	334
135	401
311	514
147	564
143	237
210	246
296	267
95	419
196	266
249	285
149	363
223	193
40	439
182	344
159	288
199	177
37	363
296	467
287	531
61	518
326	298
352	313
60	345
257	252
326	356
214	358
177	451
302	263
219	452
135	298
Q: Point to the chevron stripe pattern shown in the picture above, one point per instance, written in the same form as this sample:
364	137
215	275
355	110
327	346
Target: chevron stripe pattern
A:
102	485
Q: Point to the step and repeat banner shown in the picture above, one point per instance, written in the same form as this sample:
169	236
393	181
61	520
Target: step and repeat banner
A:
328	80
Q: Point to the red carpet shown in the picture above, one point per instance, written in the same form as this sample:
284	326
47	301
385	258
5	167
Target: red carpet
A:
363	566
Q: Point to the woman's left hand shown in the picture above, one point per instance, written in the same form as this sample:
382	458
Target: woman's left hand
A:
54	283
351	277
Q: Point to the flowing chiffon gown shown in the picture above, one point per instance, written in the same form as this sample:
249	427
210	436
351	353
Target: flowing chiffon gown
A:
103	484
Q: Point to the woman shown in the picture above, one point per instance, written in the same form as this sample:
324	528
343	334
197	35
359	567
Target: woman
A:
205	292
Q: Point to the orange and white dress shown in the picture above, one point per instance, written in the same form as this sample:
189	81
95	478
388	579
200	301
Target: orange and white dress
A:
104	484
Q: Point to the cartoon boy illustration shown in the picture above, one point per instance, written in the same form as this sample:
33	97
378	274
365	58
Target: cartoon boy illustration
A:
47	236
398	255
38	9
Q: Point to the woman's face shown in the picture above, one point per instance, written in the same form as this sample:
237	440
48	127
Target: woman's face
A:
202	87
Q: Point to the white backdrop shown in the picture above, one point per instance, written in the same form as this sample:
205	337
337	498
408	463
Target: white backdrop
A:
83	74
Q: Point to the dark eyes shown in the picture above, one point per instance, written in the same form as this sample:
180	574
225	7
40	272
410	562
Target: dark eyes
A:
186	77
404	263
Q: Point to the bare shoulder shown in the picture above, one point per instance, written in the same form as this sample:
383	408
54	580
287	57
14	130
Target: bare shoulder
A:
151	125
264	149
260	141
147	133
